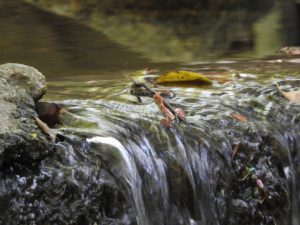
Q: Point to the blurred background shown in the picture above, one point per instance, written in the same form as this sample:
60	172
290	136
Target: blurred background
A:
87	37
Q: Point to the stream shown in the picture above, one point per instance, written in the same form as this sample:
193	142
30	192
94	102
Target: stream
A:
119	165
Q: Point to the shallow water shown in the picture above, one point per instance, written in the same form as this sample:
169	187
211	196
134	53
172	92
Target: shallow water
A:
120	166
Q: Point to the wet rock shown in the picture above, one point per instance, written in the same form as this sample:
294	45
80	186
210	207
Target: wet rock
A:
259	187
21	141
239	206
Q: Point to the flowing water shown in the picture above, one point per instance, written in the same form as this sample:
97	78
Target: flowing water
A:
119	165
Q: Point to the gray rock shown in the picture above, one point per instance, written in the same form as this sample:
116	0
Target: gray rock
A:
20	139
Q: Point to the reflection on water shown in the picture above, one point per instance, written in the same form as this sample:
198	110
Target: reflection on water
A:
60	47
84	58
185	36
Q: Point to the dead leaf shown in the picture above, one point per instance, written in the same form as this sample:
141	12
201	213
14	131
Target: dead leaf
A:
239	117
293	96
221	80
165	122
182	77
235	150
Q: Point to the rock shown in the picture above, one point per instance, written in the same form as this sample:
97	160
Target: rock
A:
21	141
22	78
290	51
239	206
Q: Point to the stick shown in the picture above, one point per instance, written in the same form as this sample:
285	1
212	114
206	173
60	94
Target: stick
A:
44	127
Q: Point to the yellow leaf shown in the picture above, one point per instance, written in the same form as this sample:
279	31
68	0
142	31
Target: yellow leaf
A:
33	136
182	77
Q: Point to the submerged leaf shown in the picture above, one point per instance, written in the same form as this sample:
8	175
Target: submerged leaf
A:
239	117
182	76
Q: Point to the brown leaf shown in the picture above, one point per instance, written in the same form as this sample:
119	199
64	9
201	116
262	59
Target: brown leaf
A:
239	117
293	96
235	150
165	122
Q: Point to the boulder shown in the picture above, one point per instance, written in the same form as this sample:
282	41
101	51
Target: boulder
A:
21	141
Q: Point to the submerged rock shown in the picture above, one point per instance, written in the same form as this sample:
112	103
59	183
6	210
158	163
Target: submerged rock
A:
21	141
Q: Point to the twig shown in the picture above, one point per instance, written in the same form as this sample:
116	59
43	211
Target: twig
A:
44	127
142	90
277	85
